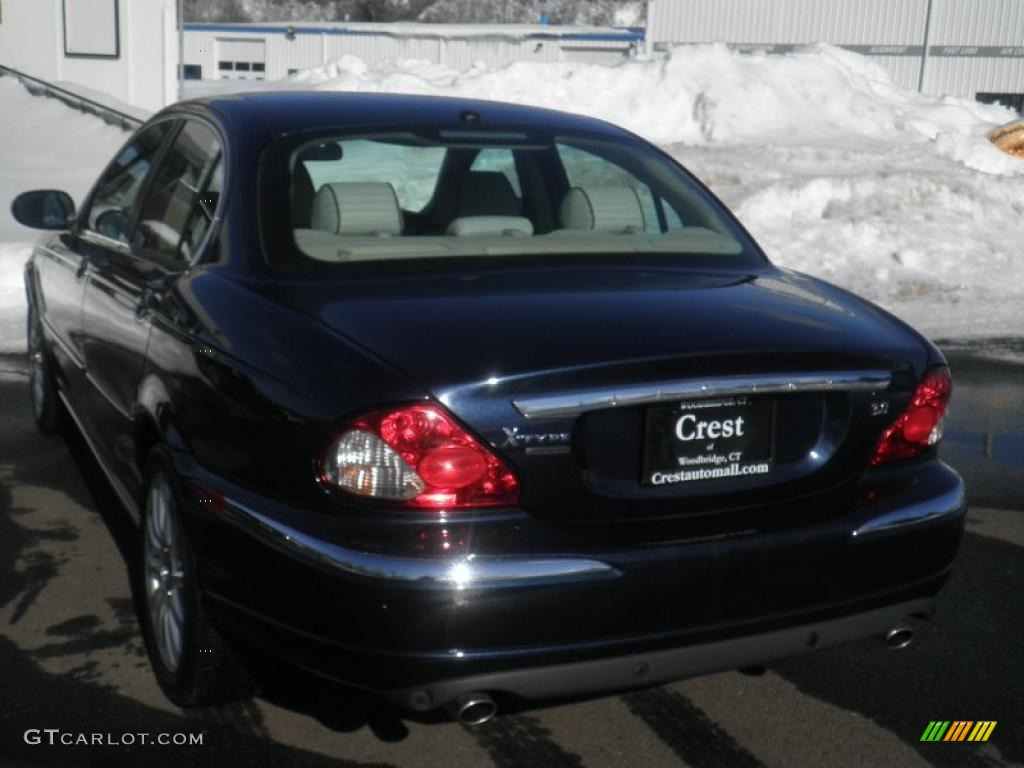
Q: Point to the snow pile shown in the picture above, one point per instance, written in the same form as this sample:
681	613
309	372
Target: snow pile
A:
938	244
836	171
43	145
707	94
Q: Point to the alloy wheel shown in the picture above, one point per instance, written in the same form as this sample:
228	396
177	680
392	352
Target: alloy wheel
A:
165	573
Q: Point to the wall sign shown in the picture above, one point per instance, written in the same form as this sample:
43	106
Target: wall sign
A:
92	29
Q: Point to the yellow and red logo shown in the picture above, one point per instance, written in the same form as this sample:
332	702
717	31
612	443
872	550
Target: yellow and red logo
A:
958	730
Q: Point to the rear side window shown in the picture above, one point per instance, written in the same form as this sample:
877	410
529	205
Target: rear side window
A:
202	214
118	189
177	199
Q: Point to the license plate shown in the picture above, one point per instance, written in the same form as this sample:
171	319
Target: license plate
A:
708	440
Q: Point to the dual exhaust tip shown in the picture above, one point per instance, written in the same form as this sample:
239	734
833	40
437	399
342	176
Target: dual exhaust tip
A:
898	637
472	708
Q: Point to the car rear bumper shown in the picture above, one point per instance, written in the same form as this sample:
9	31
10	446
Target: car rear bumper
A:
633	670
426	629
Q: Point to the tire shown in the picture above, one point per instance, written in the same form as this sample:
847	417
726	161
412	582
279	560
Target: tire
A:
47	409
191	660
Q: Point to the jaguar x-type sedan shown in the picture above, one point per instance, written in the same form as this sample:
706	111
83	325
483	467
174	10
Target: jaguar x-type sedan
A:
449	400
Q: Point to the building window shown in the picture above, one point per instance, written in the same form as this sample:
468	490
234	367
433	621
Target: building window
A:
192	72
1011	100
224	65
292	71
258	66
241	66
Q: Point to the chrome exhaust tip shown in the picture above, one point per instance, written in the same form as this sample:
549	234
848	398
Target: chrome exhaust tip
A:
898	637
473	708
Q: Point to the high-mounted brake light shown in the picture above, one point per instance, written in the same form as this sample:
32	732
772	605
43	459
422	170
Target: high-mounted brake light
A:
919	427
418	456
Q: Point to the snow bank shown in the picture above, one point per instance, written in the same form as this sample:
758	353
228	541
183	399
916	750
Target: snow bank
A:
836	171
708	94
12	296
938	244
43	144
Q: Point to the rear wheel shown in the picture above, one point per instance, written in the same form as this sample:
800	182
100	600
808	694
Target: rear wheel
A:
191	660
46	406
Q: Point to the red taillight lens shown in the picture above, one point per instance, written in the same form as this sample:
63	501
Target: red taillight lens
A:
419	456
920	426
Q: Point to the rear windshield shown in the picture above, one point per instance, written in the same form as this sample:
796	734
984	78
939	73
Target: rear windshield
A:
335	199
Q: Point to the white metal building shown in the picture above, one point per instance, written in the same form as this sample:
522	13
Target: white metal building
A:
942	47
125	48
273	51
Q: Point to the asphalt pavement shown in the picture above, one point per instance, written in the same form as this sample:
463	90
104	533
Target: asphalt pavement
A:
72	662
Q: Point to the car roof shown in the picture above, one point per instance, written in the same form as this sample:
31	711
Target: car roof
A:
284	112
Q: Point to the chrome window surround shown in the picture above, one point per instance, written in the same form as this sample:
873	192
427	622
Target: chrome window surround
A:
574	403
218	215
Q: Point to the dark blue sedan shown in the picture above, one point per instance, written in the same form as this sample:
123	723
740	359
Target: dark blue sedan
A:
453	400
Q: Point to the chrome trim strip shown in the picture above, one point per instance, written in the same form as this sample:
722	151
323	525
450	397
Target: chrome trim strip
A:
103	241
575	403
115	292
68	349
463	573
119	489
948	504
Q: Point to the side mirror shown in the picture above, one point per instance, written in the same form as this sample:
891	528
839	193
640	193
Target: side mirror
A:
43	209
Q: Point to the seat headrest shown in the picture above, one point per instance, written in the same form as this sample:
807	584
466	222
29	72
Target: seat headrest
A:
357	208
602	209
487	193
480	226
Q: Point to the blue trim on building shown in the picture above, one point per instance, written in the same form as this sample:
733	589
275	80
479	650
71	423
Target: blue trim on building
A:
633	35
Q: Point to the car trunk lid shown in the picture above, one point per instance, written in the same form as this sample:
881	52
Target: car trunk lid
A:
570	373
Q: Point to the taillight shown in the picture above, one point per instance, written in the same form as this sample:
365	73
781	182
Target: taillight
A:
920	426
418	456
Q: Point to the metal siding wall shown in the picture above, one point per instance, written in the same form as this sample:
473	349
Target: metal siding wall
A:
377	48
842	22
605	57
978	22
903	70
198	49
969	76
304	52
974	23
313	49
963	23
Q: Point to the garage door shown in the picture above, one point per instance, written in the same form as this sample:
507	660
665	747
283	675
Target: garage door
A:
241	59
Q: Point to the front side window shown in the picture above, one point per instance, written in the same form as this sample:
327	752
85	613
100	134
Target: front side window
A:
118	189
179	199
337	199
